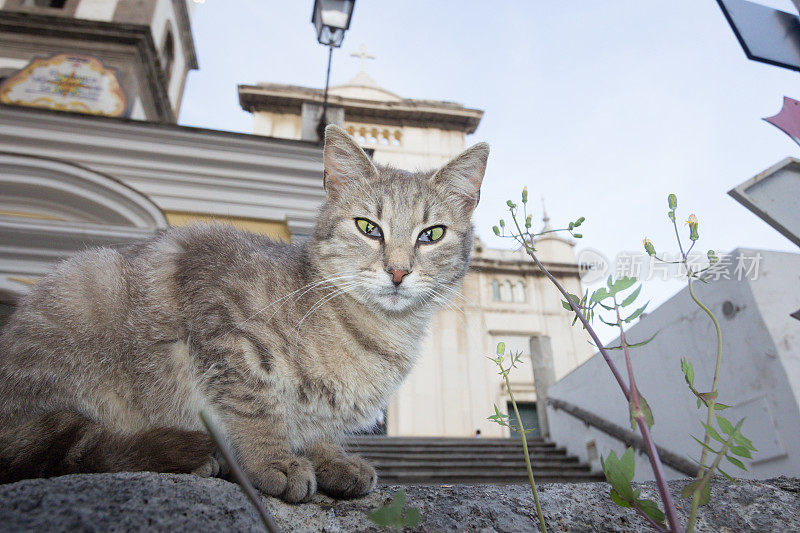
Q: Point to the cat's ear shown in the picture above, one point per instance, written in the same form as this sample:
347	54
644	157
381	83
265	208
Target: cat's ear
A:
344	161
463	175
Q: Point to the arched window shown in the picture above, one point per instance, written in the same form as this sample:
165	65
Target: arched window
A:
495	290
519	292
505	291
168	54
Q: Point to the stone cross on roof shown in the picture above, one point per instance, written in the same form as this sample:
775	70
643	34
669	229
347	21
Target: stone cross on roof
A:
364	56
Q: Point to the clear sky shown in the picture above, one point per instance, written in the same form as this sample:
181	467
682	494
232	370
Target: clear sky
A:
600	107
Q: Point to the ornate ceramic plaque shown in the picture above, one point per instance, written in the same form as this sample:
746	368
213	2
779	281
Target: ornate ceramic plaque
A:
67	82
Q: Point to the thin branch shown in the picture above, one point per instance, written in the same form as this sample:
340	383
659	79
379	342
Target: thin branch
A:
241	478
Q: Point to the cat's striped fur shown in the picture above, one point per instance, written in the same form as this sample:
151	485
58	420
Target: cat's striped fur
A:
107	361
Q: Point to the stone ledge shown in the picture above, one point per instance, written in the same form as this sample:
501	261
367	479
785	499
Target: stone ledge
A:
167	502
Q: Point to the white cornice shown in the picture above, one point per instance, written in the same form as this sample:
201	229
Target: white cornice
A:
180	168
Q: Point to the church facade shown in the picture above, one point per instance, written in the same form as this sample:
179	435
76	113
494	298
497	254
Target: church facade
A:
120	170
504	298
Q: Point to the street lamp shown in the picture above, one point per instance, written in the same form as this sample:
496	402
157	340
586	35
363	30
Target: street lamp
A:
331	18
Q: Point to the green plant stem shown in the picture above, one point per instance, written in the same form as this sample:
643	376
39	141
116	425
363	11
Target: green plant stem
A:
710	418
641	421
521	430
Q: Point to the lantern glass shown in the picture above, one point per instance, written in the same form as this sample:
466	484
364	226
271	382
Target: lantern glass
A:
331	18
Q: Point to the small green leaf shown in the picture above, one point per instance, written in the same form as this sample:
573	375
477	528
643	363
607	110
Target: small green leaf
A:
725	425
636	313
631	297
616	476
720	406
703	444
395	514
688	371
599	294
713	433
741	440
610	281
628	463
616	498
741	451
721	471
621	284
650	508
634	345
608	324
736	462
645	410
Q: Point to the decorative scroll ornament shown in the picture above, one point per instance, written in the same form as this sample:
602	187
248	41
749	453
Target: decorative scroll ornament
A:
67	82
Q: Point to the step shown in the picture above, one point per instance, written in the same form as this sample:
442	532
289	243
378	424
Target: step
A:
447	449
477	459
445	440
437	477
386	466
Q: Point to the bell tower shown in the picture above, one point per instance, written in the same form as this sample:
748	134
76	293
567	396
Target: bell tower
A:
126	58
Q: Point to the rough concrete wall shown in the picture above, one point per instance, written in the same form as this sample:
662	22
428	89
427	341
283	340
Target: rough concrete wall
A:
168	502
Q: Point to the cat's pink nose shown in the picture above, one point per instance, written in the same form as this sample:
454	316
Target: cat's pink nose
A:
397	275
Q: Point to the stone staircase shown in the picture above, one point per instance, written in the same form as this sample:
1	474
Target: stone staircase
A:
440	460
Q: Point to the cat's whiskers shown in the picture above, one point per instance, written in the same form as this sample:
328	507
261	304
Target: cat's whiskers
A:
322	284
445	301
344	288
311	285
450	288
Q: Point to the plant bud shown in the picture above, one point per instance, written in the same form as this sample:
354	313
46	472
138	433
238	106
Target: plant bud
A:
502	223
648	247
511	204
672	200
529	221
524	195
496	230
692	222
712	257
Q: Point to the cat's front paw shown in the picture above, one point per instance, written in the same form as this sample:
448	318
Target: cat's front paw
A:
291	478
346	477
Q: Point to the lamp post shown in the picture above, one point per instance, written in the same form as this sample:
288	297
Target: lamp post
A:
331	18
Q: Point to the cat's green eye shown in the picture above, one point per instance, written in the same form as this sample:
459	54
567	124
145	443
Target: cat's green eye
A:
431	234
369	228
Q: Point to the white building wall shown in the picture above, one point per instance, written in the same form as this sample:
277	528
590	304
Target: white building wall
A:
759	375
95	9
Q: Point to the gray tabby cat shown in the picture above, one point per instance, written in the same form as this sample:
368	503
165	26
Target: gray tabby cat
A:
107	362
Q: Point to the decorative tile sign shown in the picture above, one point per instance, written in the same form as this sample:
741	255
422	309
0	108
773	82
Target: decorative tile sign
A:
67	82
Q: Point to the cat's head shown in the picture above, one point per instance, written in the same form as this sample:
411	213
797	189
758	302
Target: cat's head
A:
392	238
